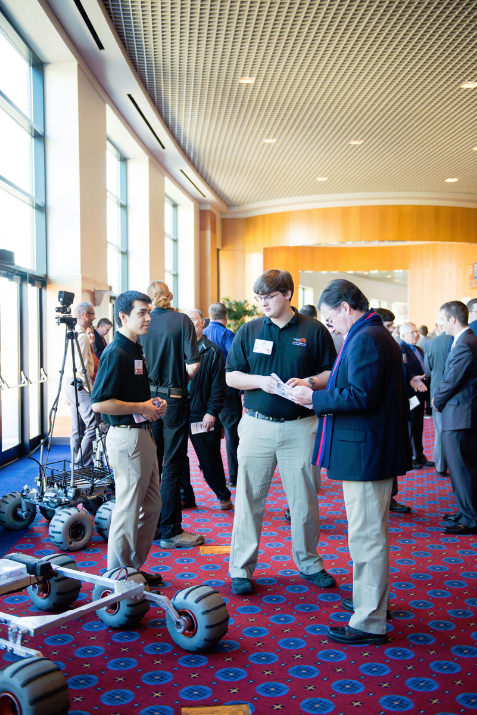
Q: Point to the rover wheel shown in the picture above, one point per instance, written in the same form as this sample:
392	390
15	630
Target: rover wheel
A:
71	529
11	516
57	593
33	686
207	617
102	520
123	613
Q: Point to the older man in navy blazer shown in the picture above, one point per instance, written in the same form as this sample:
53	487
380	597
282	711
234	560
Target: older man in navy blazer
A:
362	440
456	398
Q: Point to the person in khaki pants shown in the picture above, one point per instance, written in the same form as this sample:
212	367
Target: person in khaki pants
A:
121	393
275	431
362	440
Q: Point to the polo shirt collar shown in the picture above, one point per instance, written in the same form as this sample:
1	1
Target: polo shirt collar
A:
127	344
293	320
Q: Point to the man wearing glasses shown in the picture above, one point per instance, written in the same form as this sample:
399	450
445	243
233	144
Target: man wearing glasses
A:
276	431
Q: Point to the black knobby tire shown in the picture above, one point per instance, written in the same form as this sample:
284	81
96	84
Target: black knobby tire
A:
71	529
47	513
10	512
207	616
102	520
128	612
59	592
33	686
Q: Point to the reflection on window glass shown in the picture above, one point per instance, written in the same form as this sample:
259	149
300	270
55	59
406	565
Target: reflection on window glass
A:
17	228
15	153
9	363
116	208
15	76
114	269
34	359
171	248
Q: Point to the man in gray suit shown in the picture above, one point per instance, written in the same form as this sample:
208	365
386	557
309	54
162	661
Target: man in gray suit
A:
456	398
436	352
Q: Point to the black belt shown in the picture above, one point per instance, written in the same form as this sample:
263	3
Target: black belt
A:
260	416
168	391
136	425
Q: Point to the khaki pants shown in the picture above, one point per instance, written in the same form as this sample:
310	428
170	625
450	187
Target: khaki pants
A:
133	458
367	509
262	446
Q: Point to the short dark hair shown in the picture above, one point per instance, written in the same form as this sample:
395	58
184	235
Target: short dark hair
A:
423	329
341	290
456	309
124	303
309	310
387	316
471	304
104	321
273	280
217	311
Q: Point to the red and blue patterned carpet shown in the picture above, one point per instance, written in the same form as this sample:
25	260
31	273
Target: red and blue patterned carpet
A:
276	656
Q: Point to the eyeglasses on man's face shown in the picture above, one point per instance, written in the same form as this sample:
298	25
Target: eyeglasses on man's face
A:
266	298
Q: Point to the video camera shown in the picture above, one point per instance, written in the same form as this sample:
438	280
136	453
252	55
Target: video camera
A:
65	300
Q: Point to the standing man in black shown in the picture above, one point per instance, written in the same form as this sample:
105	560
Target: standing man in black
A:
231	412
415	373
207	395
436	352
100	331
456	398
172	358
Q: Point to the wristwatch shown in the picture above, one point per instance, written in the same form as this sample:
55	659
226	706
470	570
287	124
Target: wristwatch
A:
312	382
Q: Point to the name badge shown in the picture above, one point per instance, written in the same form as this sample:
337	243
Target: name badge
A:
263	346
138	367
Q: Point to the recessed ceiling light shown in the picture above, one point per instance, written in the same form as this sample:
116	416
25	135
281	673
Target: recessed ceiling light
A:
468	85
451	180
322	178
474	148
356	142
246	80
269	141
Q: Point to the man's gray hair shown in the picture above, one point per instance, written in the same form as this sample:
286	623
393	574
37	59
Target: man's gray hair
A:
406	328
217	311
199	312
81	308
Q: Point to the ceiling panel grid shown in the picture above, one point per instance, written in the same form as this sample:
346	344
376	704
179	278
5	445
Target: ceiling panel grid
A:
386	72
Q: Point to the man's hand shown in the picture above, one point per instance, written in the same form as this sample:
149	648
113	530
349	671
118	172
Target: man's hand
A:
418	384
433	406
302	395
297	382
268	384
153	409
208	422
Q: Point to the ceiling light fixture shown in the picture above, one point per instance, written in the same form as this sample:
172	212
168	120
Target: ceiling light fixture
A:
356	142
451	180
322	178
246	80
269	141
468	85
474	148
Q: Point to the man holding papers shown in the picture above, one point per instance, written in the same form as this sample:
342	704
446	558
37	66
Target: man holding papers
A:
275	431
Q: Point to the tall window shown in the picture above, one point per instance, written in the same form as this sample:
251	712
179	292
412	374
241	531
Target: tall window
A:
117	219
171	248
22	165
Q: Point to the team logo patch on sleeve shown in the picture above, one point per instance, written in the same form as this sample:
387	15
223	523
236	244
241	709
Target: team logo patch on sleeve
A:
301	342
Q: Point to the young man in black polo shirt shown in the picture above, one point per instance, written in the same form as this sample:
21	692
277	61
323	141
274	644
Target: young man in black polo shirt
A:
273	431
121	393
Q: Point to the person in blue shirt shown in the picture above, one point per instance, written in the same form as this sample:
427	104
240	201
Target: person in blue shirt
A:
231	413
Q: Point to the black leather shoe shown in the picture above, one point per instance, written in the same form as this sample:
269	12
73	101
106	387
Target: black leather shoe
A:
428	463
460	529
323	579
287	514
242	586
416	465
188	505
153	580
352	636
453	516
347	605
399	508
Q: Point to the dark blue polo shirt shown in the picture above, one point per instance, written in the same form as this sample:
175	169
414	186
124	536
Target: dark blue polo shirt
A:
122	375
301	348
